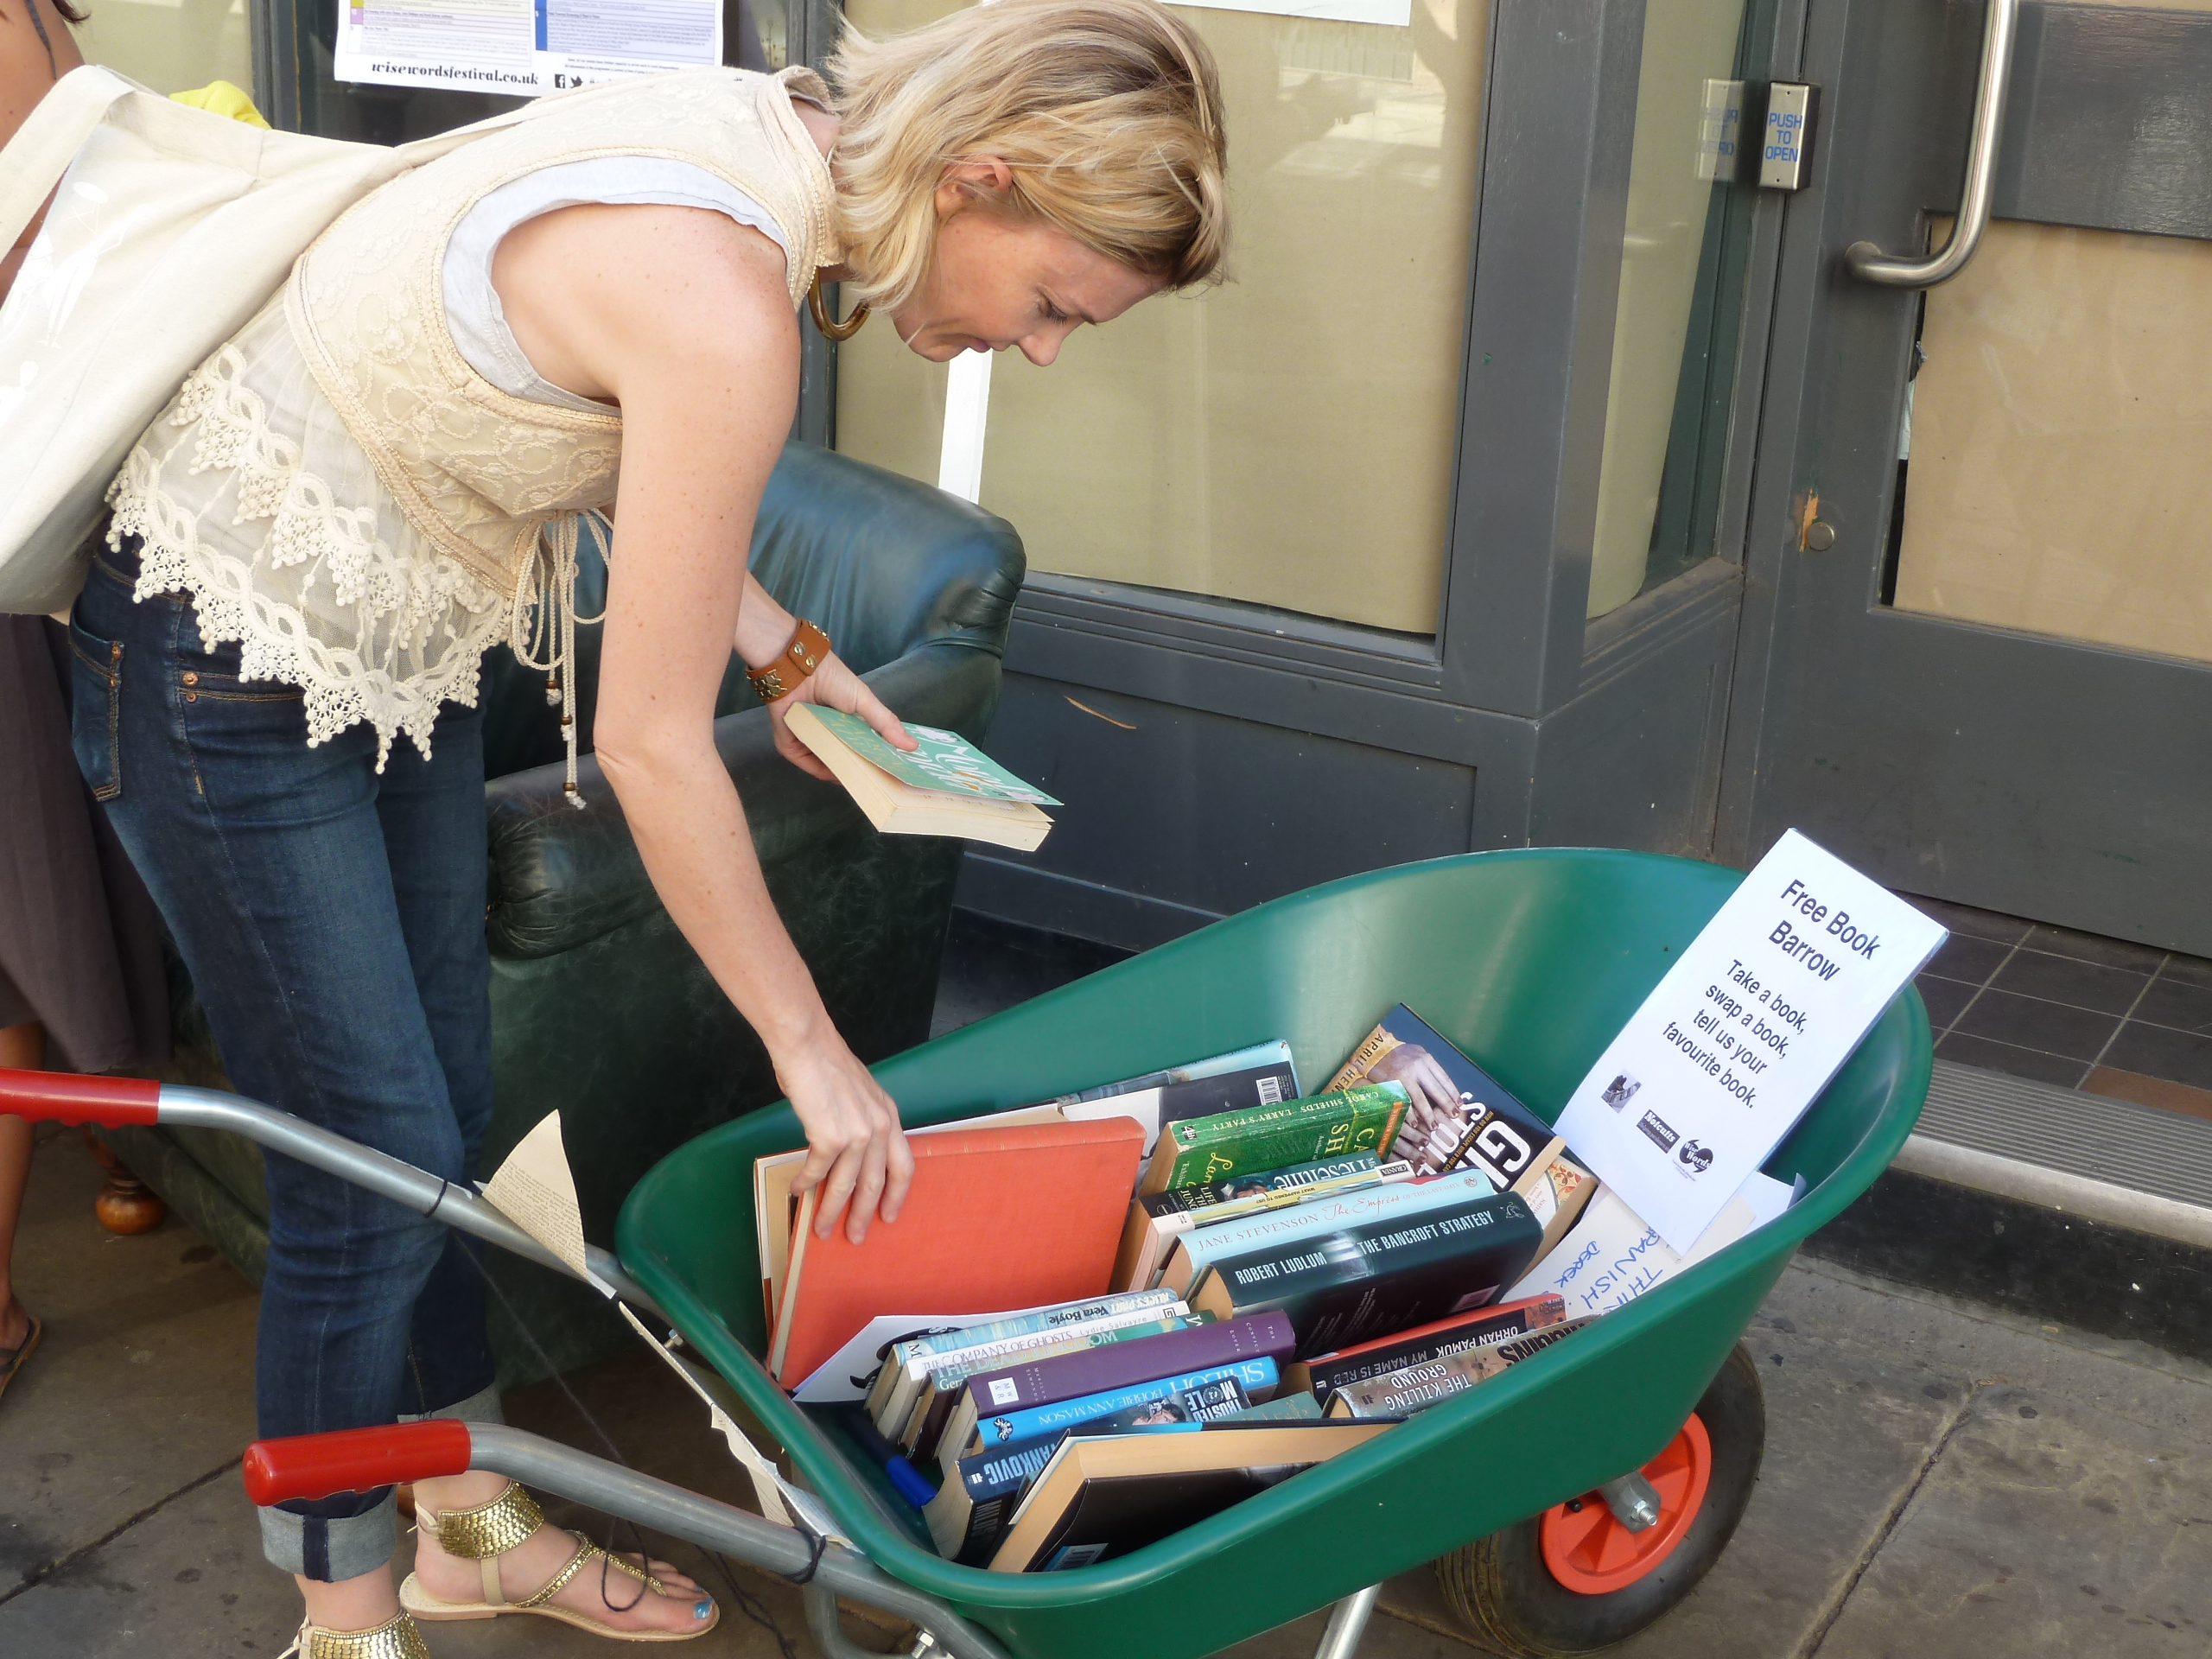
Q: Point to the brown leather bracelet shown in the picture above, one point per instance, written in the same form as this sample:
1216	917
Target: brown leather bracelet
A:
808	646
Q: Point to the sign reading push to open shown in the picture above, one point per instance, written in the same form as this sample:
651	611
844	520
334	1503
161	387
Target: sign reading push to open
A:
1746	1029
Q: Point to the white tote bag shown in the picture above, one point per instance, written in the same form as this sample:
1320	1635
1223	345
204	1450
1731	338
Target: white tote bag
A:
171	226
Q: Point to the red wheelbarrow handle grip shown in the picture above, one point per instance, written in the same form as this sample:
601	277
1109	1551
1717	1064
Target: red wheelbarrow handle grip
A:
354	1460
64	1098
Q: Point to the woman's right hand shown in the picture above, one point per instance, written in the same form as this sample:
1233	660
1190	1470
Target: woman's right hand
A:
856	1151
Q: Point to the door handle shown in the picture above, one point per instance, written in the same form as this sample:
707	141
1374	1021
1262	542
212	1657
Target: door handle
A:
1868	262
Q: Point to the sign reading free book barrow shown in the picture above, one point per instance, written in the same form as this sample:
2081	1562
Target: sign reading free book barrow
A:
1743	1031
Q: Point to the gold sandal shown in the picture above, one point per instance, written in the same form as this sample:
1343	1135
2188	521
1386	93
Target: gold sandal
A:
395	1638
490	1530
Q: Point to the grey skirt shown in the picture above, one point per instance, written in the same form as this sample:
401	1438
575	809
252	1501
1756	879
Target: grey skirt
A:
80	939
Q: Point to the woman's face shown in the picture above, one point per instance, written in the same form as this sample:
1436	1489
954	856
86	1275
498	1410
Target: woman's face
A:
1001	280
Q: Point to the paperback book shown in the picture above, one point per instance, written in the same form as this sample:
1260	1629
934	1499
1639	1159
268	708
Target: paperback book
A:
918	1350
1458	1115
1327	1212
1208	1149
1401	1393
1100	1497
1348	1286
1157	1219
1070	1377
946	786
1439	1339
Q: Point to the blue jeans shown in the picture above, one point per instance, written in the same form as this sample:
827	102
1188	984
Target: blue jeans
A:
333	921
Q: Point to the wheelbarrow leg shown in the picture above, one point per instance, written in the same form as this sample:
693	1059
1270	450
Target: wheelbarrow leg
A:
1347	1624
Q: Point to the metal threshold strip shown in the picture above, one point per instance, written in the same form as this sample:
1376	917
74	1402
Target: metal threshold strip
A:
2103	1160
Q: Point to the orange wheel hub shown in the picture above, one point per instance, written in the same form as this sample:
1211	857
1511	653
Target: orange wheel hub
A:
1592	1553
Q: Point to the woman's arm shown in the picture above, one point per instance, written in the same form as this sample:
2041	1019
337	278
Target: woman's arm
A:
683	318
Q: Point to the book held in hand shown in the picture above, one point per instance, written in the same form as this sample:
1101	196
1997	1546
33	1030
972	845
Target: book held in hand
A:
945	787
995	1218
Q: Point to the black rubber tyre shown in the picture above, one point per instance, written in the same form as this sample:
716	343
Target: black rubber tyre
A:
1500	1588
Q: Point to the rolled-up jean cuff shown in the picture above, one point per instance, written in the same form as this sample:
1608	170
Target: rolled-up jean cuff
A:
481	1407
331	1551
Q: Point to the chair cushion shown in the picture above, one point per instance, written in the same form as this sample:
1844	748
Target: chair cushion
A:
882	563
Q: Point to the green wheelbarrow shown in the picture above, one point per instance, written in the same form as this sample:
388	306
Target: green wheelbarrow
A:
1566	1503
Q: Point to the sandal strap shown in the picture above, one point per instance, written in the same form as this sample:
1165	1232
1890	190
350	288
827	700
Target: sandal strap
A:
587	1553
492	1528
395	1638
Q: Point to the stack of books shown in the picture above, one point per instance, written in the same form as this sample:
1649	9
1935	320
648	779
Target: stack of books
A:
1221	1282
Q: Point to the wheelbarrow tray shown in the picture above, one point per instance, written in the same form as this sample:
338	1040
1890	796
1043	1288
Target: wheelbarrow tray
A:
1531	962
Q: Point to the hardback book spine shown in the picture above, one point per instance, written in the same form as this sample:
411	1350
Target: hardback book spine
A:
1139	1310
1067	1377
1345	1287
1205	1149
944	1391
1252	1376
1416	1388
1485	1328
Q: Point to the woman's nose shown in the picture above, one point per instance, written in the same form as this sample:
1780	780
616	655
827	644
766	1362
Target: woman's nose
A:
1043	346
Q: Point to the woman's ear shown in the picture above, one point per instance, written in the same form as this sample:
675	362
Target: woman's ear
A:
968	182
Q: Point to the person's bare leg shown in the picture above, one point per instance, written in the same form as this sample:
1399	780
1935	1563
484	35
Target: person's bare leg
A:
23	1046
360	1604
537	1558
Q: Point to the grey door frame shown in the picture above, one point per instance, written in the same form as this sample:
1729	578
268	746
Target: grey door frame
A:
1514	671
2018	771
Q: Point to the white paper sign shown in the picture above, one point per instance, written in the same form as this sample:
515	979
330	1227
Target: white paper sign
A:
521	47
1746	1028
1611	1256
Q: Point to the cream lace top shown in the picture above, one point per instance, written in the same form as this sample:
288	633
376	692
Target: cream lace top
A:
252	497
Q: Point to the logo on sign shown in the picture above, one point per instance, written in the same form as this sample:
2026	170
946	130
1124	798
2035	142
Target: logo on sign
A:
1695	1156
1654	1126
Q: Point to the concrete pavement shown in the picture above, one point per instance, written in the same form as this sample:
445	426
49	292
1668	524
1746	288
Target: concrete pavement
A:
1937	1476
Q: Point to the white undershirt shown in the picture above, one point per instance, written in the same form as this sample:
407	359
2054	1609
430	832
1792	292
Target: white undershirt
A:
473	311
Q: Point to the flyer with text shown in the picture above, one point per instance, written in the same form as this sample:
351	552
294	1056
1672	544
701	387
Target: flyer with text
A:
521	47
1746	1029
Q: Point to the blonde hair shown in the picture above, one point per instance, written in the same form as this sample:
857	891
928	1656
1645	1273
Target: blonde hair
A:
1107	113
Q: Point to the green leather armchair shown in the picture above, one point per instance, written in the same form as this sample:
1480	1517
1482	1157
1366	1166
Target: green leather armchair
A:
598	1007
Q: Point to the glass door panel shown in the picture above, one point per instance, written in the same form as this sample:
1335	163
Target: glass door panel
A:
172	46
2061	422
1675	327
1286	439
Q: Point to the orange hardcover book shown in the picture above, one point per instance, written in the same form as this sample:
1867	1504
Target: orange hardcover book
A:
996	1218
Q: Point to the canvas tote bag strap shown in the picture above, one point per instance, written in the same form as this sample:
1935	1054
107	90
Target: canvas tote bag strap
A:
48	141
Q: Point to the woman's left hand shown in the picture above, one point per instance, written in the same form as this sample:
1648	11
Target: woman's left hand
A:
834	686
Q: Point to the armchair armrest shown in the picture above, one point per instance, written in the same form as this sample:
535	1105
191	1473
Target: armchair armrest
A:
561	877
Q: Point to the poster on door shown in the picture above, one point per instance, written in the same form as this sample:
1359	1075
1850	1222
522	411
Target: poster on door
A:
521	47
